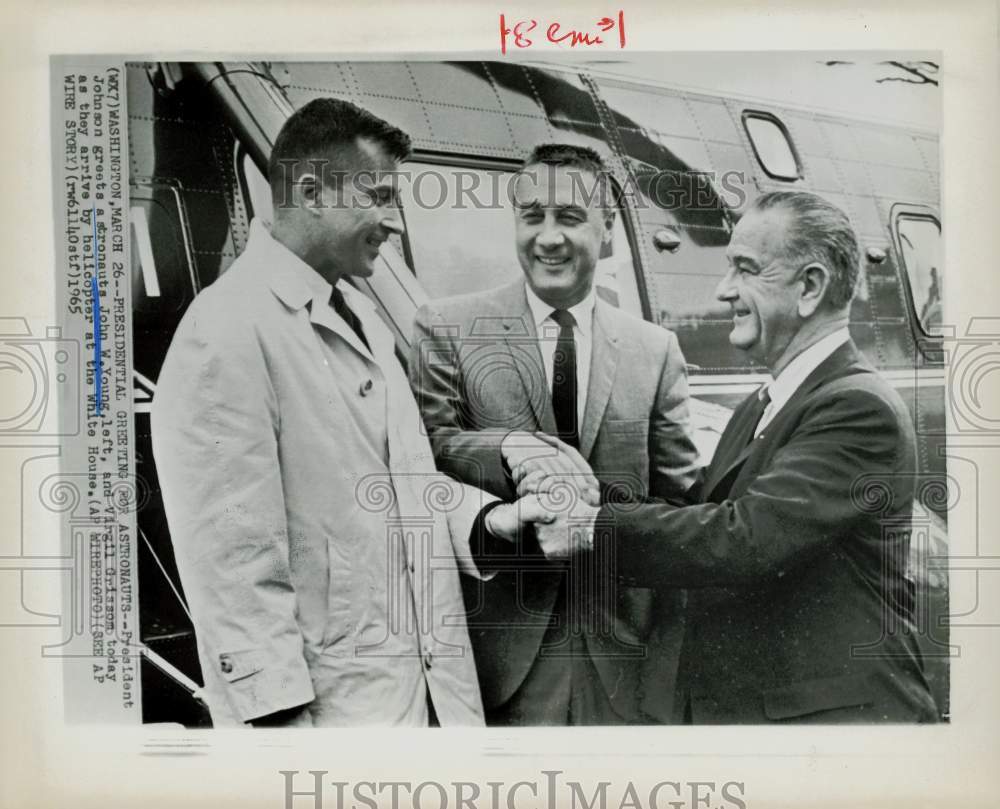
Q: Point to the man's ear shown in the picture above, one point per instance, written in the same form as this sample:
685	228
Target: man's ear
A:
609	223
607	248
310	191
815	280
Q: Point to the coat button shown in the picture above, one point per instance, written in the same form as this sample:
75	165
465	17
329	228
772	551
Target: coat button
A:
226	665
366	387
428	659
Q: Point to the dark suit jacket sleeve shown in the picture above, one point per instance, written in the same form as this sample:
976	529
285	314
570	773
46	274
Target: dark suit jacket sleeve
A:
807	496
673	457
472	456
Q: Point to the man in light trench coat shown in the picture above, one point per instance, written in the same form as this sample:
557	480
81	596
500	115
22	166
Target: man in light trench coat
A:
318	548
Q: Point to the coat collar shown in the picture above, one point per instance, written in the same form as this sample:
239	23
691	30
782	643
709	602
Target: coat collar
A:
293	281
784	385
583	312
844	361
298	285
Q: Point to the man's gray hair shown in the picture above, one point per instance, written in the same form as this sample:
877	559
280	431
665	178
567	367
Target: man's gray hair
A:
819	231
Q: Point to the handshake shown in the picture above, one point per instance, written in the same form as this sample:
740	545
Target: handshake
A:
557	493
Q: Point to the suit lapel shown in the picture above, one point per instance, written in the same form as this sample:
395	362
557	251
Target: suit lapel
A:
603	364
521	340
742	454
729	448
843	361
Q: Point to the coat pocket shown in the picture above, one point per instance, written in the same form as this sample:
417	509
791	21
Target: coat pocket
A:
235	666
627	428
814	696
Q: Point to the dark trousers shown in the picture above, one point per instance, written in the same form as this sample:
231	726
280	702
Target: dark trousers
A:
562	686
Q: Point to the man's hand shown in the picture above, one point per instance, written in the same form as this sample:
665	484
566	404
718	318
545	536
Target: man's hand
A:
539	463
565	532
506	521
562	529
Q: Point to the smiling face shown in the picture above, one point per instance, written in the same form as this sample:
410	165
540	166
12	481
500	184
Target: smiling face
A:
762	287
357	212
560	225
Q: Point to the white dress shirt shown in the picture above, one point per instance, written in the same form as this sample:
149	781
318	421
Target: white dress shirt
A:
794	374
583	334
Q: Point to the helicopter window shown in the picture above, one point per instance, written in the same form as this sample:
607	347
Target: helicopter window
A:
919	238
143	252
772	145
163	278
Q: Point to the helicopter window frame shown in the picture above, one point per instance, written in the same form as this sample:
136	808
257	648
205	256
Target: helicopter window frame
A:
764	160
920	214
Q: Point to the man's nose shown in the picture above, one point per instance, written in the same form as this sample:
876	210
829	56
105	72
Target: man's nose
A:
393	222
725	290
550	237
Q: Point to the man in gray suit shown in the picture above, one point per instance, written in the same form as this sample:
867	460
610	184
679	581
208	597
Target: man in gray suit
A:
541	379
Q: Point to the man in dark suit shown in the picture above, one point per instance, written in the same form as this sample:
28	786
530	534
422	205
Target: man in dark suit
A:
796	556
495	375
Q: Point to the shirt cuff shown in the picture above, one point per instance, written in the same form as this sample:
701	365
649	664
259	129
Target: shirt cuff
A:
493	554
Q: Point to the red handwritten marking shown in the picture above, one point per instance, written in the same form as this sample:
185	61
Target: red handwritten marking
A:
520	36
520	30
575	37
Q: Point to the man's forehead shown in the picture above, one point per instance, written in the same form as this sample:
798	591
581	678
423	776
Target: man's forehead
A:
557	186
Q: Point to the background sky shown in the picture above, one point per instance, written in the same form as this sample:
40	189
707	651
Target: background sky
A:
799	78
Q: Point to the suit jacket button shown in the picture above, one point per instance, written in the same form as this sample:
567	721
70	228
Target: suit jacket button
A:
366	387
428	658
225	664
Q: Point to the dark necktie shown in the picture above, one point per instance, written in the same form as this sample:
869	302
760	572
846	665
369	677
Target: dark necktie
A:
564	379
340	305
